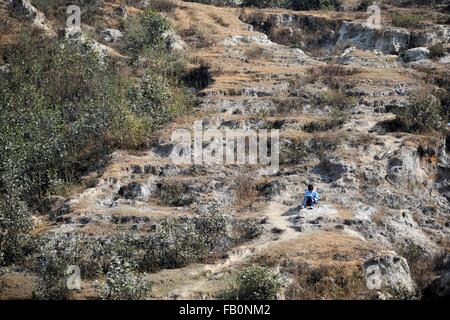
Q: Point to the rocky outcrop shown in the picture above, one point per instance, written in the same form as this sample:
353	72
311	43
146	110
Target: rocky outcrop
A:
389	272
362	36
77	36
258	39
25	9
432	35
404	167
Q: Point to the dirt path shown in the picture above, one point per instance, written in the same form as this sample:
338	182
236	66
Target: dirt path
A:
202	281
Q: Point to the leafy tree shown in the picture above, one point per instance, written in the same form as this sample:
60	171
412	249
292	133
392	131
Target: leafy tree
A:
146	33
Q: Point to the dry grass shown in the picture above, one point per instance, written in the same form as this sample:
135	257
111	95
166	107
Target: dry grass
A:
197	36
344	213
167	6
257	53
218	19
245	191
318	248
380	216
326	282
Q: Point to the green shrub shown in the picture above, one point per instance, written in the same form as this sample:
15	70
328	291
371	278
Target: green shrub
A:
58	104
145	33
15	223
248	229
257	283
122	283
423	113
53	258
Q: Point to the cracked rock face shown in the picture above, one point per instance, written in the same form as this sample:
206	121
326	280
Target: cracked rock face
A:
389	40
389	272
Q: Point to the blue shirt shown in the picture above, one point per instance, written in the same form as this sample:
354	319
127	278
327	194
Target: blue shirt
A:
312	194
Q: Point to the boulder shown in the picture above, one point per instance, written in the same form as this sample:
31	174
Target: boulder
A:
112	35
389	272
416	54
174	41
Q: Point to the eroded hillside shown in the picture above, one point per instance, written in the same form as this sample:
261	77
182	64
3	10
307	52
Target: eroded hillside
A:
342	95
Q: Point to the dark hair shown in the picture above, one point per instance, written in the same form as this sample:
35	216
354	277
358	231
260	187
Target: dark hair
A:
310	187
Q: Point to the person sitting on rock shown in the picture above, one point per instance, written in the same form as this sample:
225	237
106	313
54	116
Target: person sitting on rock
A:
311	198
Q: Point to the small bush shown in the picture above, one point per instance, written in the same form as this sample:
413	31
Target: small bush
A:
323	143
424	113
199	77
257	283
421	265
199	38
257	53
179	242
248	229
15	223
54	256
438	50
145	33
332	75
363	5
174	193
122	283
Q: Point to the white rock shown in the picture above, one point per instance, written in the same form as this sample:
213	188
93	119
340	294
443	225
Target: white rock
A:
416	54
112	35
258	39
389	272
